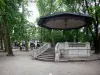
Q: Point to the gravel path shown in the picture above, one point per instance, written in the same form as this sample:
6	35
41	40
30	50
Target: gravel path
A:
22	64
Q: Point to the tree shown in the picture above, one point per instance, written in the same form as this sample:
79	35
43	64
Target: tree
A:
94	11
10	21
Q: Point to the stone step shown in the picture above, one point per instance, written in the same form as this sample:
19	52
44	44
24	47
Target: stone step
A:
45	59
47	53
50	50
49	56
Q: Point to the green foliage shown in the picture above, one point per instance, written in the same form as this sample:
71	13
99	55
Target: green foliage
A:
58	36
18	25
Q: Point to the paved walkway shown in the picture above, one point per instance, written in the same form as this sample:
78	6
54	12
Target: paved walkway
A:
22	64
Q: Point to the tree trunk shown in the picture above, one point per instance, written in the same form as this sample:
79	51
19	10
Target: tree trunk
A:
96	41
20	46
99	44
52	39
26	45
77	35
87	34
5	46
96	44
41	35
63	36
7	37
1	43
10	52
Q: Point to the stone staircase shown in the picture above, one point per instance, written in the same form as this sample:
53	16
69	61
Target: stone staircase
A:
48	55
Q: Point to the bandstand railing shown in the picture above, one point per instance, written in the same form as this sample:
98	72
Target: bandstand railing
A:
37	52
72	49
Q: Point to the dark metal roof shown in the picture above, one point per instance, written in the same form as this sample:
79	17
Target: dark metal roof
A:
87	18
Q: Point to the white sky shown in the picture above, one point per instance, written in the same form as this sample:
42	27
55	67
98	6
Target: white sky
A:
34	12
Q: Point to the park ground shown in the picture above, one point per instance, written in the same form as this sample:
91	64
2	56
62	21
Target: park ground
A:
23	64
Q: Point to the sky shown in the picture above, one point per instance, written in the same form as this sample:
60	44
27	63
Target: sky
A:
33	11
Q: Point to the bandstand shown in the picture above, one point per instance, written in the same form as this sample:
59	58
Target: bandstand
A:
68	21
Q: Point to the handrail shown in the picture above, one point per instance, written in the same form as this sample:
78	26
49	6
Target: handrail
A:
37	52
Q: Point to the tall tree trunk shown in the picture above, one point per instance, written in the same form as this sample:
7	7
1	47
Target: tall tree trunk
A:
10	52
52	39
26	45
63	35
87	34
41	35
96	42
99	44
7	37
5	46
1	43
77	35
20	46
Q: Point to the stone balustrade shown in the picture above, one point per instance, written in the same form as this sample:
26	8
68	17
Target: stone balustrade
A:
37	52
72	49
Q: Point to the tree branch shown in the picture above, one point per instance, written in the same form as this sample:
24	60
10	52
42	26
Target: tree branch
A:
91	32
50	6
96	15
87	7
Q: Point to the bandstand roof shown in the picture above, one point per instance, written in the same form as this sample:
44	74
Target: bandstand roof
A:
65	20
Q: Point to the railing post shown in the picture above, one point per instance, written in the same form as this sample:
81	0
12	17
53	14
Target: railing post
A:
57	57
34	53
88	48
57	53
